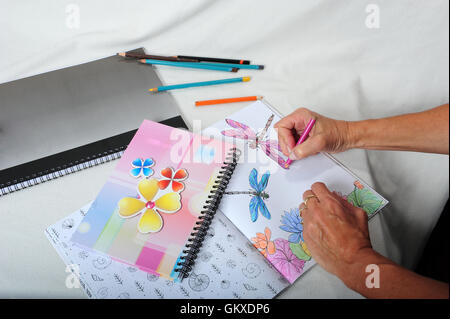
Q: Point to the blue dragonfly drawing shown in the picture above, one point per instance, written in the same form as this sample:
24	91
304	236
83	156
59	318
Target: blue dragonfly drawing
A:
258	195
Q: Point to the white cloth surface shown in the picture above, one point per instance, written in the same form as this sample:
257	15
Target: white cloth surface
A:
318	54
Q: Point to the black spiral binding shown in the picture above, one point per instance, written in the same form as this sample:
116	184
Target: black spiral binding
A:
192	248
59	171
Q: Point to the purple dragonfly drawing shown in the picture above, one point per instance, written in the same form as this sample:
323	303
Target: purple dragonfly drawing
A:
256	140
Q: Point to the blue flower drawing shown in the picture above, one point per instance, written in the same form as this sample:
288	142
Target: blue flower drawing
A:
142	167
292	223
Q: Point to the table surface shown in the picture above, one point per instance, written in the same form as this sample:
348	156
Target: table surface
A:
318	54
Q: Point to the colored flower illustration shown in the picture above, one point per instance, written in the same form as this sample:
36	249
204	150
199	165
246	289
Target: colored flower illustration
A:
285	261
262	242
305	249
176	178
358	184
292	223
142	167
150	205
363	198
300	250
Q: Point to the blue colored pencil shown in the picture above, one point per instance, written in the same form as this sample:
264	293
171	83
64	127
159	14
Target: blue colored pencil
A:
225	68
193	84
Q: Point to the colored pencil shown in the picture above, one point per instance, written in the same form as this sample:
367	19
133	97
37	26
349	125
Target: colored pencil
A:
224	68
194	84
239	66
219	60
229	100
302	138
155	57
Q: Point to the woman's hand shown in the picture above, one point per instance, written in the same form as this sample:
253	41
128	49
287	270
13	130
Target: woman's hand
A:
327	135
335	232
392	133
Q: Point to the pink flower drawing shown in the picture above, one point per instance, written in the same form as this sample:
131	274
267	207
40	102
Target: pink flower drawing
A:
285	261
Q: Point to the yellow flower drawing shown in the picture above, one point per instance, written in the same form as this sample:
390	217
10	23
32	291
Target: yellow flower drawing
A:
150	208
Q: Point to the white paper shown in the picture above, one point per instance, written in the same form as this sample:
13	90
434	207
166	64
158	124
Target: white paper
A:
228	266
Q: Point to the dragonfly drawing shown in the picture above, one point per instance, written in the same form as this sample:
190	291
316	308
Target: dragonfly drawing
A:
258	194
256	140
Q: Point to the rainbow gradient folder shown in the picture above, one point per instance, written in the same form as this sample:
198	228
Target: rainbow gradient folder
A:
156	207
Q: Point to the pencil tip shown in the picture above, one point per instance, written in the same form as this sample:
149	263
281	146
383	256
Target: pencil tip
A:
261	67
121	53
234	69
245	79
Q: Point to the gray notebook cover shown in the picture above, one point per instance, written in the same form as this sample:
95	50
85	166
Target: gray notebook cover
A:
64	109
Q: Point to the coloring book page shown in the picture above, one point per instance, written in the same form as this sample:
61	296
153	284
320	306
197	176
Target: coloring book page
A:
228	266
262	197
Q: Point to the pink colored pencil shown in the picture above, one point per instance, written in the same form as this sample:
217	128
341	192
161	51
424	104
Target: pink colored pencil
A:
303	137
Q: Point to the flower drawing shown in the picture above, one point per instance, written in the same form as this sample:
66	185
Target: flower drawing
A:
142	167
149	205
176	178
292	223
358	184
285	261
363	198
300	251
262	242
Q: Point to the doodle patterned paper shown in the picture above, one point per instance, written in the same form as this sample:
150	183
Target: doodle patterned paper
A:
228	266
280	237
146	211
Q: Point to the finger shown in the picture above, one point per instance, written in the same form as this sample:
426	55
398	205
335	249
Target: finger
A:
312	201
321	191
342	201
363	220
312	146
286	140
347	205
287	126
297	120
313	235
352	213
302	208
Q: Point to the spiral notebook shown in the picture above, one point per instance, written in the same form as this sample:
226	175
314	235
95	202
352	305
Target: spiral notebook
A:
155	209
37	141
243	176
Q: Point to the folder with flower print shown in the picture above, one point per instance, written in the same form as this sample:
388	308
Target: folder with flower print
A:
156	206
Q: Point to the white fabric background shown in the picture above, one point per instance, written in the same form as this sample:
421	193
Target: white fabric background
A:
318	54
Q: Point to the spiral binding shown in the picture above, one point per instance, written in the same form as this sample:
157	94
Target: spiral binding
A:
195	241
60	171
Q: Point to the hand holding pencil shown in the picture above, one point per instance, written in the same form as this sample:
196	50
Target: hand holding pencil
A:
327	135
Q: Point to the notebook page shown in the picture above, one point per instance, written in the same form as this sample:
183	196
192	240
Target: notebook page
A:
269	216
227	267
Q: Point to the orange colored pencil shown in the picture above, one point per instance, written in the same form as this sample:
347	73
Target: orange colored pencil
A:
230	100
